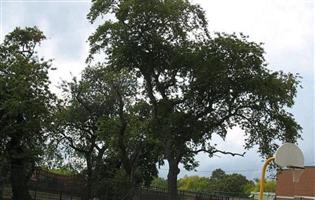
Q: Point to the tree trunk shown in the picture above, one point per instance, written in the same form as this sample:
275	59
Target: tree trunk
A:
172	179
19	181
89	182
18	173
1	187
2	178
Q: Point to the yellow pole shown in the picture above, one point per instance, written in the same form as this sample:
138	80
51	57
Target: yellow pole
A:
262	178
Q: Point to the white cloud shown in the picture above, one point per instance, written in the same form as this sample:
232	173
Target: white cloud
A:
66	70
66	32
285	26
234	140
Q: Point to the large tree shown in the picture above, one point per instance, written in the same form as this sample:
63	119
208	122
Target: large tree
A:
25	106
197	84
102	121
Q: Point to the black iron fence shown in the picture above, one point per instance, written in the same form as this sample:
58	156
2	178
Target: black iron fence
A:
162	194
44	185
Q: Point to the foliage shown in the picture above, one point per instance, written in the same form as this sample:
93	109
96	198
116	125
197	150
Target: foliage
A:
65	170
249	188
232	183
26	105
166	87
159	182
229	184
197	85
102	122
81	120
270	185
26	102
194	183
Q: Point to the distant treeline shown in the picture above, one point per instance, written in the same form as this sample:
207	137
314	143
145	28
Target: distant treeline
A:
230	184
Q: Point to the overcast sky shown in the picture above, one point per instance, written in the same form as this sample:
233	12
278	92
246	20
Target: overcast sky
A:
286	27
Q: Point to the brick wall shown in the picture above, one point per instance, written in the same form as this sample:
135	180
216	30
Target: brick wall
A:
304	189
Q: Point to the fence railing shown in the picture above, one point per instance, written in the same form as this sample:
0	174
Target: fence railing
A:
156	193
44	185
139	194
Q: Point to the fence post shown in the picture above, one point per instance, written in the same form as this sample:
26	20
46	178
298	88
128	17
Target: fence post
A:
60	196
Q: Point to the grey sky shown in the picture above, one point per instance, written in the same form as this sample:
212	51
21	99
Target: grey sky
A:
285	26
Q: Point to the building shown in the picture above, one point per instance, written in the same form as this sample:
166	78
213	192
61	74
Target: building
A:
304	189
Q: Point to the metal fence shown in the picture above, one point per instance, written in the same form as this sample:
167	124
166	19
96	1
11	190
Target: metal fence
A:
160	194
44	185
121	194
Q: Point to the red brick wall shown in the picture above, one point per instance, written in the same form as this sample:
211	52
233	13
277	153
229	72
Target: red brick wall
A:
304	188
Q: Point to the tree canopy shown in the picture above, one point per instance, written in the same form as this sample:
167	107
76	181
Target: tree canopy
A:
270	185
26	105
230	183
166	86
194	183
102	122
198	84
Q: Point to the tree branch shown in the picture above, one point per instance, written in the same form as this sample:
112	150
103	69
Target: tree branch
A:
213	150
72	145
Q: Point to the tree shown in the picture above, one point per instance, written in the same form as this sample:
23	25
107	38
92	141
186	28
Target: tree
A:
26	106
270	185
102	121
236	184
228	184
159	182
198	85
218	174
219	182
3	174
86	103
138	150
194	183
